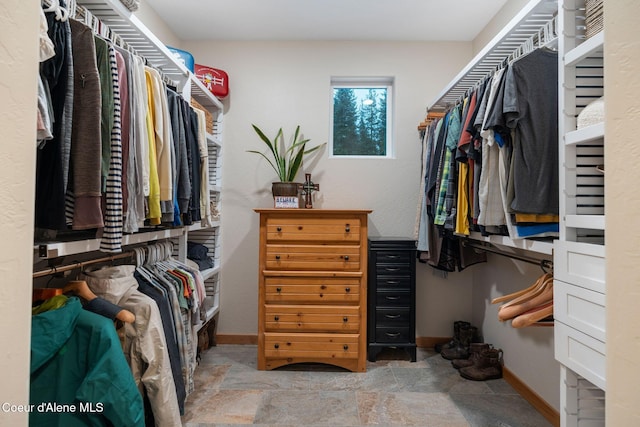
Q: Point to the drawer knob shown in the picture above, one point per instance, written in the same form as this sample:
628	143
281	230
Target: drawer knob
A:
345	319
346	347
392	282
277	256
347	228
346	257
392	316
299	227
276	318
392	269
276	346
279	229
393	335
347	290
278	290
392	298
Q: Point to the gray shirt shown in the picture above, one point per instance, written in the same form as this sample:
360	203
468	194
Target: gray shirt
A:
531	108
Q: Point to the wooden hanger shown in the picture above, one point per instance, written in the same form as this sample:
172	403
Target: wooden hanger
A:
513	310
521	295
532	316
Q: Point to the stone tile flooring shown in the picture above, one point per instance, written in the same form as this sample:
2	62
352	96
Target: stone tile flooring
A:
393	392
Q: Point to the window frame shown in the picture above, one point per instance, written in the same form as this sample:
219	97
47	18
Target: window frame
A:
387	83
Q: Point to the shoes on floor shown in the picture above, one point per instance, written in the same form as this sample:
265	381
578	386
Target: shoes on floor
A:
487	366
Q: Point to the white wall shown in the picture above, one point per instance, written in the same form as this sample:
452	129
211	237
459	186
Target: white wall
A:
18	73
622	153
528	352
275	84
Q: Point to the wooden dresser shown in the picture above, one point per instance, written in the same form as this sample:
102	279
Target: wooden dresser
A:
312	304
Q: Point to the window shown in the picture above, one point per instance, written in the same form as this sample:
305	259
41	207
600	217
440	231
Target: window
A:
361	118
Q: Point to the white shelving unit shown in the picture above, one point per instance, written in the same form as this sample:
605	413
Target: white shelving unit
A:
210	236
126	26
579	254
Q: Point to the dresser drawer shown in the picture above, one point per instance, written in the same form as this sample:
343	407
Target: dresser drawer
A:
580	264
393	270
580	308
392	334
393	298
312	318
393	282
581	353
312	290
393	316
313	229
394	257
311	346
313	257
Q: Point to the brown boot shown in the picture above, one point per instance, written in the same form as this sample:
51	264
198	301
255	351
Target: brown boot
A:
456	336
487	367
475	349
461	351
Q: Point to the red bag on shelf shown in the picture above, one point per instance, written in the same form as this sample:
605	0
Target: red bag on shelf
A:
217	81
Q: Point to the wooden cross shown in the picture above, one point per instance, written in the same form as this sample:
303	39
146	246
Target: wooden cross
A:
307	188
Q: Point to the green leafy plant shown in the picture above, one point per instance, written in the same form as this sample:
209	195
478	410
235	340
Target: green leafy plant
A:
286	161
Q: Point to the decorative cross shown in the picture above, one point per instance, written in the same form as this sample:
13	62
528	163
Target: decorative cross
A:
307	188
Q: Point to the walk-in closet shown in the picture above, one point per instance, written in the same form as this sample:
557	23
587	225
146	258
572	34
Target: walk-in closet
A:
452	251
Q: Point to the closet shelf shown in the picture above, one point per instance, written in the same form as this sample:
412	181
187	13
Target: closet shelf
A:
130	29
202	94
537	246
58	249
211	312
591	222
210	272
587	134
198	226
590	47
528	22
213	139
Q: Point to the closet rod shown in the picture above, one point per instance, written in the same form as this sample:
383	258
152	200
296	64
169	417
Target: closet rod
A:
54	270
544	263
527	24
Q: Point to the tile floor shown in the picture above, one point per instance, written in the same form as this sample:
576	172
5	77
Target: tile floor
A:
393	392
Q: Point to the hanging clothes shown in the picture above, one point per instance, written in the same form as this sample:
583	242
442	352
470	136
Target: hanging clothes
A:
52	162
182	182
145	343
111	240
81	353
84	210
531	105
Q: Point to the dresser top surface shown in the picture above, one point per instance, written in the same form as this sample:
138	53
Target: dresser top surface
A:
302	211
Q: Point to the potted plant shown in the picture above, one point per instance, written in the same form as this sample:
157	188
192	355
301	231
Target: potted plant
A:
285	161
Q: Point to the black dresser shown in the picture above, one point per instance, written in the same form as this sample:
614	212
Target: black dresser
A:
391	295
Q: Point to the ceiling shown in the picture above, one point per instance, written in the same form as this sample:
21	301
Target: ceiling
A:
361	20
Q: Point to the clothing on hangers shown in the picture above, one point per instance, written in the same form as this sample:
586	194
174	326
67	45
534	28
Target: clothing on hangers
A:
80	351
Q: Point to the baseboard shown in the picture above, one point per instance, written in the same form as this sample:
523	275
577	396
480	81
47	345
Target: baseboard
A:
430	342
532	397
236	339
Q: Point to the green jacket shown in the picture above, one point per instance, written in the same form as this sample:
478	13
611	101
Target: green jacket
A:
79	375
